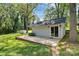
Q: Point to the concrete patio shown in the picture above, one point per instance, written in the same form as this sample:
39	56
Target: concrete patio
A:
41	40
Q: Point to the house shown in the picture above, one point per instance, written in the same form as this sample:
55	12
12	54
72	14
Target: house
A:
54	28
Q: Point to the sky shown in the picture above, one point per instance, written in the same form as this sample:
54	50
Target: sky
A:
39	11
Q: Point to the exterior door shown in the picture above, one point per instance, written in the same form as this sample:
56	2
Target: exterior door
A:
54	31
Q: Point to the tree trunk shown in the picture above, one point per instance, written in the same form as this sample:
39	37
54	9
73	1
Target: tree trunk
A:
27	20
57	10
27	25
73	33
24	23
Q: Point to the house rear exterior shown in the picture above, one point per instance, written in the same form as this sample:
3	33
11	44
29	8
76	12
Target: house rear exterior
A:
54	28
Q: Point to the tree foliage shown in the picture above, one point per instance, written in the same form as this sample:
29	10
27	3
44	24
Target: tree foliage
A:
57	11
14	17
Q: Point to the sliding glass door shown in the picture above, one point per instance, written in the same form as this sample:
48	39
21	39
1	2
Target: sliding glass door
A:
54	31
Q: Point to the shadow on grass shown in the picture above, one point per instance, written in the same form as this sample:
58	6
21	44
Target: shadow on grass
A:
67	49
9	46
25	50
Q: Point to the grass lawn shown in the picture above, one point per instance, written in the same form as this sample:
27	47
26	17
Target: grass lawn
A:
68	49
9	46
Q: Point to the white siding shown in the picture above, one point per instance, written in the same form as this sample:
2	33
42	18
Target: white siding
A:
61	30
42	31
45	31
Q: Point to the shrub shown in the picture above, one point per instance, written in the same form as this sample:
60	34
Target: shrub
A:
31	34
22	31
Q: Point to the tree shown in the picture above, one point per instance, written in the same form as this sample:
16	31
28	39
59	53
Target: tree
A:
14	16
57	11
73	33
26	11
5	25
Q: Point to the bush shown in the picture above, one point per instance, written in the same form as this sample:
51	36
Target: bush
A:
31	34
22	31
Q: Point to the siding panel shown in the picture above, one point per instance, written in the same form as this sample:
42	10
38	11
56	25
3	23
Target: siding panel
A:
42	31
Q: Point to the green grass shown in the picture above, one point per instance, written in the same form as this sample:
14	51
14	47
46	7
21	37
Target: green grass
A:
71	50
10	46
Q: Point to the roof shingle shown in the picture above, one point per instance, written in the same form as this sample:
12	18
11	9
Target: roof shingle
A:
52	21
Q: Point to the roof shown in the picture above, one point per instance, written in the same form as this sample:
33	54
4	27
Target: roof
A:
52	21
